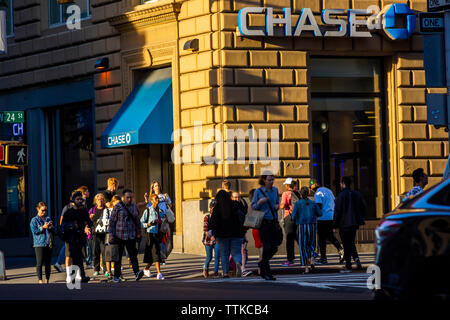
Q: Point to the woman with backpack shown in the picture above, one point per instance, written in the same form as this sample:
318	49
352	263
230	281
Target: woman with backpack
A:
100	219
226	228
305	215
43	233
151	222
210	246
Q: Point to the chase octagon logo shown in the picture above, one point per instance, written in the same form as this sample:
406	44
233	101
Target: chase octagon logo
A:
399	12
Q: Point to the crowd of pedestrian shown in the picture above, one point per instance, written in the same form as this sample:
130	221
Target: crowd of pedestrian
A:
97	235
313	212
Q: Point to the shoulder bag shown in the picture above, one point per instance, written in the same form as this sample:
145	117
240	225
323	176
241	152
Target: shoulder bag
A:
278	230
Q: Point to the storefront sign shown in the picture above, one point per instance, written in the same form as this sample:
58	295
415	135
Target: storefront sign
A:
120	140
438	5
397	20
431	22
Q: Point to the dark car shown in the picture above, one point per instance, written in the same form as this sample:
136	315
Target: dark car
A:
413	247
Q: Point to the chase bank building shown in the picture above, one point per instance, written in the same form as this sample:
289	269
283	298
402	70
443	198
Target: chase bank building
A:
193	92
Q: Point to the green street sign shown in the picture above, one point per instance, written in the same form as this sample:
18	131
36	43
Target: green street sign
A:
13	116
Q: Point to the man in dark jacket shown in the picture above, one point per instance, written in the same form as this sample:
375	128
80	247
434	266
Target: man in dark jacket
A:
125	229
349	213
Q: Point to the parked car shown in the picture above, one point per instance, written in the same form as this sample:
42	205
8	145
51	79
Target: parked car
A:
413	247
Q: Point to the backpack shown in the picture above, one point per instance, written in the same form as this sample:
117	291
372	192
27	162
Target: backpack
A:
295	196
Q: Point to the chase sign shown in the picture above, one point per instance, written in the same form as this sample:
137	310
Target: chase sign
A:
397	21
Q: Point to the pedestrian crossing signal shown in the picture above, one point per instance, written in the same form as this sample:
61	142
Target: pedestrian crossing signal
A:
16	155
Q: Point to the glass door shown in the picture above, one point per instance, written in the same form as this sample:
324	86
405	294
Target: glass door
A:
347	119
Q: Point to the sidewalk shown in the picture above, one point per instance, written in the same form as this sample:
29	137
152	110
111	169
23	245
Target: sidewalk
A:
178	266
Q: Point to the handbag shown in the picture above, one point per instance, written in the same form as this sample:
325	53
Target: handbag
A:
253	219
278	230
170	215
112	253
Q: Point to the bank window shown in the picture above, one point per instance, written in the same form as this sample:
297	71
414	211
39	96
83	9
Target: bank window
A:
58	12
347	121
14	217
9	18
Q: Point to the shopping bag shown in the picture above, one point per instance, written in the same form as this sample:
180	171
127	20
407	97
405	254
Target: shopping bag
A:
253	219
112	253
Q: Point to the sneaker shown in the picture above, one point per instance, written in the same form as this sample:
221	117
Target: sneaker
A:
358	264
58	267
345	270
341	256
225	276
238	270
139	275
288	264
216	274
160	276
116	280
147	273
95	274
89	266
322	261
107	274
247	273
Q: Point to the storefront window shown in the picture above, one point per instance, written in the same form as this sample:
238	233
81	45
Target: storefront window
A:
13	213
346	113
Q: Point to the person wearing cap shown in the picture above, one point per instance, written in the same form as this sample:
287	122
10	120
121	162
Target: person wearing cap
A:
290	228
325	200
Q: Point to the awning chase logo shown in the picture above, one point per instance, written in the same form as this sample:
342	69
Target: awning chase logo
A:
397	21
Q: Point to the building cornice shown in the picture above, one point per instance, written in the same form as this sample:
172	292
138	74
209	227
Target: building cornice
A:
145	16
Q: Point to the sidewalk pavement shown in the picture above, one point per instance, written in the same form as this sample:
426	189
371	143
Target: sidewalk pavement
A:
179	266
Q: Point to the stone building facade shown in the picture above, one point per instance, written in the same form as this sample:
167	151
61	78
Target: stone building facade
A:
231	82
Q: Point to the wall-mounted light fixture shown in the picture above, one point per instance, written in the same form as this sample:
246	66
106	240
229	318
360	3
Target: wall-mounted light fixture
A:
191	45
65	1
102	63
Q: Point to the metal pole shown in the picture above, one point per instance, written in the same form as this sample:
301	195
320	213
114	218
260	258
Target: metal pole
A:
447	67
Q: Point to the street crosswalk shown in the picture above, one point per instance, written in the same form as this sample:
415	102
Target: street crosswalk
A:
324	281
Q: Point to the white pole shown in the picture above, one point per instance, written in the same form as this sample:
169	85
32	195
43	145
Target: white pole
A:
2	266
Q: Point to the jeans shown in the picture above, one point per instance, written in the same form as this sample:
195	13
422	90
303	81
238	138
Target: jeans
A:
267	234
98	245
43	257
88	258
131	248
348	237
209	255
227	246
62	255
325	232
290	228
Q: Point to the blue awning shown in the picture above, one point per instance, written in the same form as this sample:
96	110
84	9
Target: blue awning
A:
146	116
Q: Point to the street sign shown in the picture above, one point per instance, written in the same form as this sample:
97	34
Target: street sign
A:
16	154
434	60
2	153
437	109
438	5
430	22
13	116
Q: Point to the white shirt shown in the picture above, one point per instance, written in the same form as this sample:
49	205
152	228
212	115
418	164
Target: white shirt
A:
326	198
